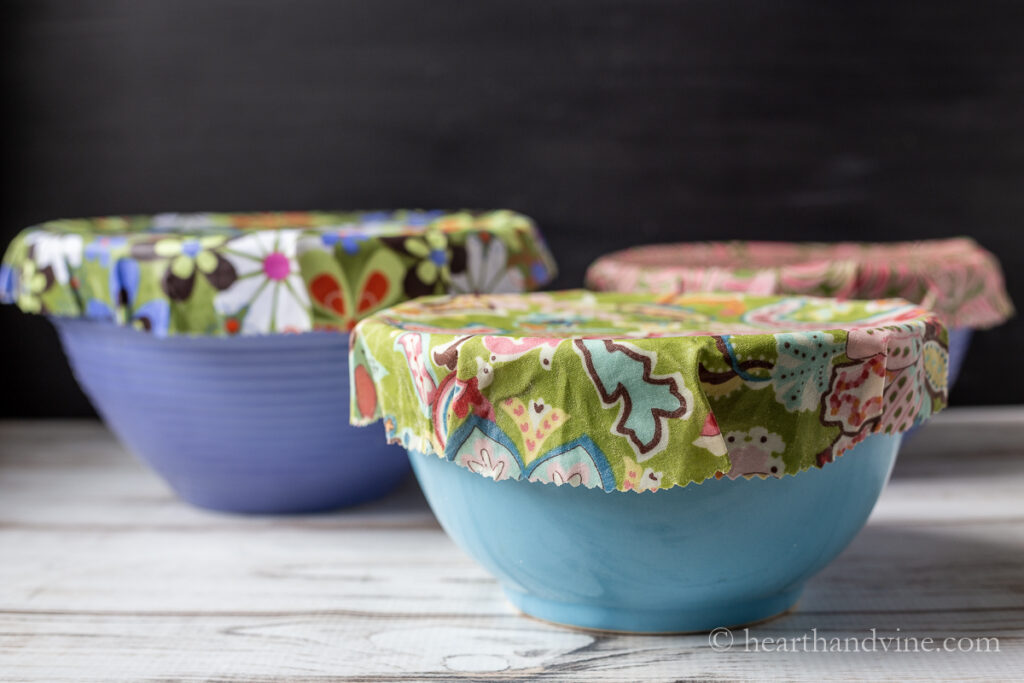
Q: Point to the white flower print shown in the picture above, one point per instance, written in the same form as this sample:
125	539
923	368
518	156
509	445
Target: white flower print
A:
59	252
487	270
269	294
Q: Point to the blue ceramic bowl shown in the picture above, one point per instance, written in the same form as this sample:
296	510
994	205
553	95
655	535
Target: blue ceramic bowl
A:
721	553
241	424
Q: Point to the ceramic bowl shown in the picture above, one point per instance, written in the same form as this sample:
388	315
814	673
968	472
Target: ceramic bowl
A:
959	343
215	345
650	464
241	424
724	552
957	278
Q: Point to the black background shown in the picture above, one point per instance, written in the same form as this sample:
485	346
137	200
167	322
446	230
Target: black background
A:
610	122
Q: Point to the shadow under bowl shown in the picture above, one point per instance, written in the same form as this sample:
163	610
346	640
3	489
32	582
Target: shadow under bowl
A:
720	553
239	424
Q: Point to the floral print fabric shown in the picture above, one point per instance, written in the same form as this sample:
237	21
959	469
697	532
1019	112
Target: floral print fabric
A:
630	392
265	273
956	278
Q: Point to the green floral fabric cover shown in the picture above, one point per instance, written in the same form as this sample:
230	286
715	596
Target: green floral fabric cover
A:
263	273
956	278
629	392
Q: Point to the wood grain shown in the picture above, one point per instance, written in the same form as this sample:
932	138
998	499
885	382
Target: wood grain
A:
104	575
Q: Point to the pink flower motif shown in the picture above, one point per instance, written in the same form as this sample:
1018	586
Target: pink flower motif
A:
268	294
276	266
882	386
412	348
508	348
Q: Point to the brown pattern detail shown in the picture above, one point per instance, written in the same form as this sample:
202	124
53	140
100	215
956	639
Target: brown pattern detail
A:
621	393
144	249
224	275
48	274
180	289
448	356
177	288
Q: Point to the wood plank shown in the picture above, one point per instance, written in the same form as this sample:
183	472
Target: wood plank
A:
409	571
106	576
215	647
70	473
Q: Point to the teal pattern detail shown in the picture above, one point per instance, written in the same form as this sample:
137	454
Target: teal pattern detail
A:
622	375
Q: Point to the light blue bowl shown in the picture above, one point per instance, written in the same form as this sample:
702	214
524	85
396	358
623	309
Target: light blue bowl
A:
241	424
721	553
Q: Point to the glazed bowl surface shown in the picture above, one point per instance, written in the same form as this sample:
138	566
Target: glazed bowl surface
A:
239	424
959	343
650	464
215	345
724	552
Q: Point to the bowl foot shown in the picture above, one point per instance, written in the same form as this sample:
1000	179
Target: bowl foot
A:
679	619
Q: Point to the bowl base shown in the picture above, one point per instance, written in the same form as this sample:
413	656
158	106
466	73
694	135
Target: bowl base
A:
668	620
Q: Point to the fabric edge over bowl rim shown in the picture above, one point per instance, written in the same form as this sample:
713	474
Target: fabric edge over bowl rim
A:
840	269
919	335
257	273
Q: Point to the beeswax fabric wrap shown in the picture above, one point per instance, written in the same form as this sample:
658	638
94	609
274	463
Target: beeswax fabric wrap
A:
265	273
956	278
629	392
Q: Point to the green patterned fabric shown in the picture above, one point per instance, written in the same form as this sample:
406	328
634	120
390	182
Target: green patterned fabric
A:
629	392
264	273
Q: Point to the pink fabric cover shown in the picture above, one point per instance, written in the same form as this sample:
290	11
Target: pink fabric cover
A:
956	278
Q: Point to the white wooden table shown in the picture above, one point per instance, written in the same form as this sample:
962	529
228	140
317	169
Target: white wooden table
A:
104	575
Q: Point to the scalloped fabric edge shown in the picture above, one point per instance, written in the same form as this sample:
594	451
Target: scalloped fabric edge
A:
644	409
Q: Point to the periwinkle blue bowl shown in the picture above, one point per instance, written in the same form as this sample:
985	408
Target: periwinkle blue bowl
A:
720	553
959	342
240	424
